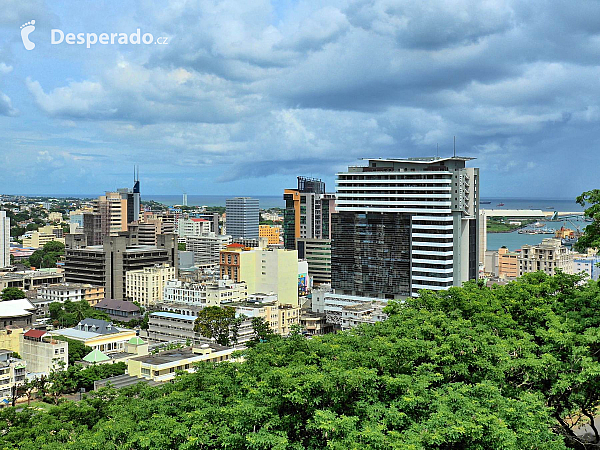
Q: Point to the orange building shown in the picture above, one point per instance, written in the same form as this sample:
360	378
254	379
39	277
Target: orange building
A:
269	232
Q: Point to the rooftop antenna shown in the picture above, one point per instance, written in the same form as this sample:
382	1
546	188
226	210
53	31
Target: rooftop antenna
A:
455	146
437	150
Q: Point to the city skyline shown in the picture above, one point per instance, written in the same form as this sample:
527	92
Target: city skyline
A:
246	96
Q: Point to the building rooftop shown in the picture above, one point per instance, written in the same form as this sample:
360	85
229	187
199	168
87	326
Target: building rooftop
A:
177	354
423	160
118	305
171	315
16	308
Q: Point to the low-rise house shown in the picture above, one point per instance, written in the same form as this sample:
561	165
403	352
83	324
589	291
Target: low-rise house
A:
163	366
120	310
98	334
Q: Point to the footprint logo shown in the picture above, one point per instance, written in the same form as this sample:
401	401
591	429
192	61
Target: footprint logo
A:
26	30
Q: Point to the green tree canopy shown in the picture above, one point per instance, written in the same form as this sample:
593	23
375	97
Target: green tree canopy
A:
509	367
12	293
216	323
591	237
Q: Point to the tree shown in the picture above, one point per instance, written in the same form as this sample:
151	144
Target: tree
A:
181	246
77	350
214	322
262	330
11	293
591	236
27	388
54	247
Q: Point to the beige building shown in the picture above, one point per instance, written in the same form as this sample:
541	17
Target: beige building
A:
269	232
163	366
71	291
42	351
113	209
12	372
55	217
263	270
508	263
546	257
146	286
38	239
280	317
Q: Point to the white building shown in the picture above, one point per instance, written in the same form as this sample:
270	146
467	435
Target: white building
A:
206	247
4	240
146	286
192	227
405	224
205	294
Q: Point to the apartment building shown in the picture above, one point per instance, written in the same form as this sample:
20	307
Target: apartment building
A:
12	373
403	225
98	334
263	270
74	292
146	285
546	257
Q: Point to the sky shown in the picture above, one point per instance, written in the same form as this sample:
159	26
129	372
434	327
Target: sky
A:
247	95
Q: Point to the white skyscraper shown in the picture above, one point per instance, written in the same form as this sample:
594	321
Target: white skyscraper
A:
4	240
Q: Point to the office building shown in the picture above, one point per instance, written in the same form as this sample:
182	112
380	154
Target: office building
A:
118	209
317	253
508	263
405	224
107	265
4	240
206	247
308	211
30	279
204	294
37	239
146	286
242	217
546	257
263	270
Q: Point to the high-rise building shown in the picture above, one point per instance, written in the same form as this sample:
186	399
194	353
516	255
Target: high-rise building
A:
242	217
405	224
307	212
206	247
192	227
4	240
118	209
106	265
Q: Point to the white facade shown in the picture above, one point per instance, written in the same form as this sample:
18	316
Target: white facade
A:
209	294
206	247
440	195
347	311
4	240
192	227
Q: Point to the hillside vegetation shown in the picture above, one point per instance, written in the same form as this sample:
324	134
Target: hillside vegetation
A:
508	367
